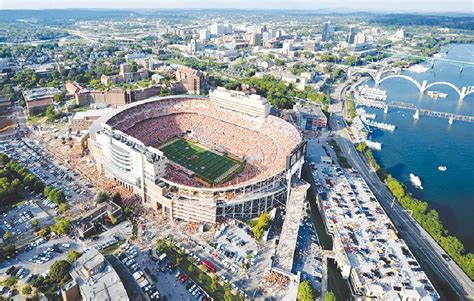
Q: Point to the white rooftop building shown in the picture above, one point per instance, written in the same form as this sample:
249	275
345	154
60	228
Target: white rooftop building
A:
250	104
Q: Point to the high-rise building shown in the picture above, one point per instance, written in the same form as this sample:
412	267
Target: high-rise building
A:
228	29
123	68
360	38
351	33
255	39
217	29
328	31
266	36
400	33
195	45
204	34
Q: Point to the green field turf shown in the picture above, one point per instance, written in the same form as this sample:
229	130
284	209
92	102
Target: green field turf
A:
205	164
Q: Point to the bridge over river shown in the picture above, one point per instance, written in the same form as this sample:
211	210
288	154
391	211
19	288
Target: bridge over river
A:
418	112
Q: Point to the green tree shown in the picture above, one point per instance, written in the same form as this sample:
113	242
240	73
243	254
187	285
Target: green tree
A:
306	291
330	297
201	276
35	223
227	292
102	197
26	290
11	281
117	198
113	219
261	226
45	231
214	283
62	226
7	235
72	256
63	207
57	98
361	147
190	268
59	271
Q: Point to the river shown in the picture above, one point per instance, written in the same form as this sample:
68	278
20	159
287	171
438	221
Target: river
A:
420	146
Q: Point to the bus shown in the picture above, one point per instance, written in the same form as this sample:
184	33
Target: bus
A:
209	266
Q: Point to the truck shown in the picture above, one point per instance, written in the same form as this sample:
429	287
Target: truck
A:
209	265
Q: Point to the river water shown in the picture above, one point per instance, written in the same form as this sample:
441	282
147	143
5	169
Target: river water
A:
420	146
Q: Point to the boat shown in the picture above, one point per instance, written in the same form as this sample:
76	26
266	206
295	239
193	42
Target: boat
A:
373	145
416	181
442	168
418	69
436	94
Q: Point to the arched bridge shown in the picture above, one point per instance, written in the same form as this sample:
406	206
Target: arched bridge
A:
423	86
408	78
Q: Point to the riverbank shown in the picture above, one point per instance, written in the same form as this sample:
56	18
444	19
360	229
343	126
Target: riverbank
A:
420	146
426	216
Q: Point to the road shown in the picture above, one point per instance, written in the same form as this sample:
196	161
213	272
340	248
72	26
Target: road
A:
426	249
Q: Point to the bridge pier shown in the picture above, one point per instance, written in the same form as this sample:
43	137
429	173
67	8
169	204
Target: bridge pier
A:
377	78
463	93
423	86
417	114
385	109
450	120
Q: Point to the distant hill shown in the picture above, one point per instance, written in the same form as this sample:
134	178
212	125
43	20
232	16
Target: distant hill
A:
60	16
456	22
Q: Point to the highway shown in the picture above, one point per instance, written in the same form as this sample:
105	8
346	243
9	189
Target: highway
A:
423	245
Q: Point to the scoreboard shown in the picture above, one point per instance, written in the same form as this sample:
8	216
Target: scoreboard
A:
297	153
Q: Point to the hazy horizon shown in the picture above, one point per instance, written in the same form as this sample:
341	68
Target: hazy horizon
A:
393	6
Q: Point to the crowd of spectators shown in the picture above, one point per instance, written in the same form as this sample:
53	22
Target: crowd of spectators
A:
263	143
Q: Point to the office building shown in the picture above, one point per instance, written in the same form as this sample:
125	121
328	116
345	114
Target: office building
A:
351	34
93	278
328	32
204	34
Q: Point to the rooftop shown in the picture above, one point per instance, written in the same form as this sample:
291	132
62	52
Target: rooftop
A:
103	285
38	93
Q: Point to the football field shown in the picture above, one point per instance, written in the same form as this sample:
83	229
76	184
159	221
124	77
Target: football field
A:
206	164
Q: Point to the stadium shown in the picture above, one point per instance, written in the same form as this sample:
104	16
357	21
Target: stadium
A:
199	158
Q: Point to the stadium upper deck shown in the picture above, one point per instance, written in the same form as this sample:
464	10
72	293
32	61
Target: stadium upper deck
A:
264	143
126	147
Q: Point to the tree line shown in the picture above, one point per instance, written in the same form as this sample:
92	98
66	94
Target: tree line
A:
279	94
14	179
427	217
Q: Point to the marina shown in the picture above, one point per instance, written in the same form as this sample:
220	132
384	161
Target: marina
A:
379	125
425	144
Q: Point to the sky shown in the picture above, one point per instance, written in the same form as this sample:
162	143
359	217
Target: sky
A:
465	6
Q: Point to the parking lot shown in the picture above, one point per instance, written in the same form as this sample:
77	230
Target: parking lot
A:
18	220
38	257
31	155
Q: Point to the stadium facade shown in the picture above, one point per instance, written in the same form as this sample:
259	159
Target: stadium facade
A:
126	146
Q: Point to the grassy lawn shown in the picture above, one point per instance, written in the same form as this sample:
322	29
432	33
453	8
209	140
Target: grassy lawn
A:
198	276
37	119
206	164
81	109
